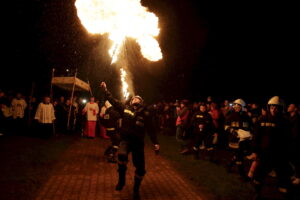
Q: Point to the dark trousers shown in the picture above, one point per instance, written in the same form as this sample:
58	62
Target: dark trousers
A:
270	161
138	157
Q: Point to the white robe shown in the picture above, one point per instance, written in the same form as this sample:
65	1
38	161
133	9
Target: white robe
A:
91	109
18	107
45	113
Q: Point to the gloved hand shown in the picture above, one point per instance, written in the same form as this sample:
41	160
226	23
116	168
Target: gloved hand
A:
156	149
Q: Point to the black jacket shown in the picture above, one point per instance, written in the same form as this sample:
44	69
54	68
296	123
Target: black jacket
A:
135	121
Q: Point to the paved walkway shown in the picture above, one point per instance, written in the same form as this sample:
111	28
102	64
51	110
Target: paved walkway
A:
83	174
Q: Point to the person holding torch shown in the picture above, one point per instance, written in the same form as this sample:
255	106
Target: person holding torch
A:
136	121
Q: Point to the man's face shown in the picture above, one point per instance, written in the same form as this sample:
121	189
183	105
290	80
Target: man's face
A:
92	99
62	99
181	105
237	107
291	108
274	110
135	101
47	99
19	96
202	108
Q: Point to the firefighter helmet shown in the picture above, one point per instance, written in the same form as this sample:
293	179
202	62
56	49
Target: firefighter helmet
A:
240	102
275	101
138	97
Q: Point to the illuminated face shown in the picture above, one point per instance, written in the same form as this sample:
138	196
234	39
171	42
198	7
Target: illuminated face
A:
135	101
202	108
274	110
237	107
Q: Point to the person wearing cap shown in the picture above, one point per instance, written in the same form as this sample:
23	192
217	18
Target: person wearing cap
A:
270	147
111	121
238	125
136	120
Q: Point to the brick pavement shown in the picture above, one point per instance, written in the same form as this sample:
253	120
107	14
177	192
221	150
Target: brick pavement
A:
83	174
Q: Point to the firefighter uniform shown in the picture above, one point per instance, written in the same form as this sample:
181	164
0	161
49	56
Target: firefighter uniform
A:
203	130
271	144
136	120
235	123
111	121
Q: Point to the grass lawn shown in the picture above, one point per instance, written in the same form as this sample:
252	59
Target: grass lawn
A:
26	163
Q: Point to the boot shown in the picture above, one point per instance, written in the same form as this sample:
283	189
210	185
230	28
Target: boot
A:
136	188
122	179
113	156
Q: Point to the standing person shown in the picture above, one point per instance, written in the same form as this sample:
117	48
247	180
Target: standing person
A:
294	121
45	117
238	126
18	106
136	121
61	116
271	147
182	112
91	110
111	121
203	129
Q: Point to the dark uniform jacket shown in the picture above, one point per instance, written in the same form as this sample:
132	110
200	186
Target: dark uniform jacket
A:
110	119
205	119
135	122
272	135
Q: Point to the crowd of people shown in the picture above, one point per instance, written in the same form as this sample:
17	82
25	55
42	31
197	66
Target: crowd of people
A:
266	135
46	117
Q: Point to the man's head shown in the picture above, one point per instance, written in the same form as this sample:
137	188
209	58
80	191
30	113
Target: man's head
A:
203	107
239	105
136	100
68	102
184	103
275	105
292	108
19	95
62	99
46	99
92	99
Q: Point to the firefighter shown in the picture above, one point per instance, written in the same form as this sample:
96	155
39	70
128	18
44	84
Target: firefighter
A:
111	121
136	121
238	125
203	129
270	147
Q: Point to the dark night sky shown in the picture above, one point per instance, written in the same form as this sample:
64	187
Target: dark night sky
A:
227	51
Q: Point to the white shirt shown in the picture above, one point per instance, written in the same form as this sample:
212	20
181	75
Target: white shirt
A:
18	107
45	113
91	109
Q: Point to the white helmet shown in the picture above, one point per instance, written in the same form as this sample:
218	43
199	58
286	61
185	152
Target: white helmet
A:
241	102
275	101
